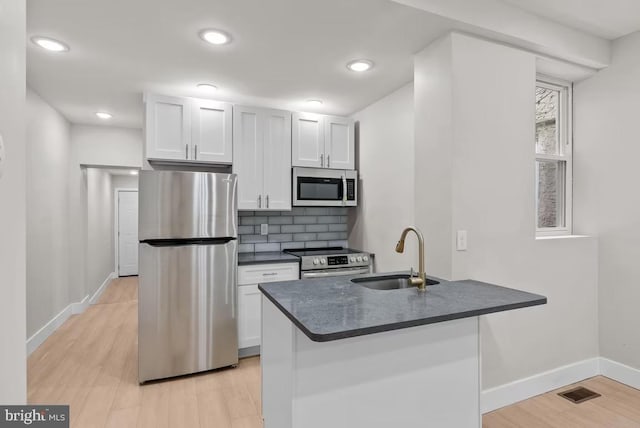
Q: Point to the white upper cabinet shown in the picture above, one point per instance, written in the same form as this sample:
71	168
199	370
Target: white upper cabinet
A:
247	156
277	159
308	140
339	142
189	130
262	158
168	127
323	141
212	135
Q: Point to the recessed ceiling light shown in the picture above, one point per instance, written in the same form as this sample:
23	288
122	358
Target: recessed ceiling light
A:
104	115
360	65
215	37
50	44
207	87
134	172
314	103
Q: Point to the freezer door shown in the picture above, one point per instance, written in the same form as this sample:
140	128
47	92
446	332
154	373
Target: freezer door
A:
185	205
186	309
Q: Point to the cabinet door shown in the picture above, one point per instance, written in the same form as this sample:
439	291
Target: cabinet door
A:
249	316
248	157
212	139
339	143
277	159
167	127
308	140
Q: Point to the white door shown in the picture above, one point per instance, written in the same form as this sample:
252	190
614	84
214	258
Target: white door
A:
339	143
307	140
277	159
212	138
247	157
249	311
127	233
168	127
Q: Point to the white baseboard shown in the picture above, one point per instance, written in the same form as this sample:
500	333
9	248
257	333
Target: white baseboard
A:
504	395
72	309
620	372
96	296
47	330
80	307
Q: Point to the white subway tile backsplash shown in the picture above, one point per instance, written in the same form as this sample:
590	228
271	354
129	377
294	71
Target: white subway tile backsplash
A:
305	219
280	237
280	220
252	239
252	220
246	248
304	237
342	227
316	244
302	227
317	227
292	228
291	245
267	247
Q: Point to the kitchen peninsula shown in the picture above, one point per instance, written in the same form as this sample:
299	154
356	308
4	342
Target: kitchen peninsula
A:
338	353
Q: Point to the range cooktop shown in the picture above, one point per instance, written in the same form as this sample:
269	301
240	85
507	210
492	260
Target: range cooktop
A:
330	258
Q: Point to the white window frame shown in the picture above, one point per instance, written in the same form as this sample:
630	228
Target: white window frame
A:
565	141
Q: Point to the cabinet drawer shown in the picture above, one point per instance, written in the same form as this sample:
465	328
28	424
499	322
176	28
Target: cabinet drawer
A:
256	274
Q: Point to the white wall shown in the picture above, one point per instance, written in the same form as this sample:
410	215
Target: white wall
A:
124	181
484	160
13	373
100	212
385	167
107	145
48	158
607	202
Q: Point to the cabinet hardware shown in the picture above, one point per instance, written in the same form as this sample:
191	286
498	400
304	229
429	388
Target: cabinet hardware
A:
186	151
322	160
267	201
328	161
259	201
196	152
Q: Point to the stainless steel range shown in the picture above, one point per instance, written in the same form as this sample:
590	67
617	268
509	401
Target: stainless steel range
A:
332	261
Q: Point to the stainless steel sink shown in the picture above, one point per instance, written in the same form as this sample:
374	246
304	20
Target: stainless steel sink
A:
388	282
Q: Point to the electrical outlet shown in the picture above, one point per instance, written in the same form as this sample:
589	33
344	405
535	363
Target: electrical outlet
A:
2	156
264	229
461	240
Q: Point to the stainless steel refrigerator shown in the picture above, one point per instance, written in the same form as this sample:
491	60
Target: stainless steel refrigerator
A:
188	253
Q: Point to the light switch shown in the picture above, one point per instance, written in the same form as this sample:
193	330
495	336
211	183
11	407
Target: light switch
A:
264	229
2	156
461	240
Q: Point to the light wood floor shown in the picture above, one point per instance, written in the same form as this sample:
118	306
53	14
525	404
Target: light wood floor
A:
90	363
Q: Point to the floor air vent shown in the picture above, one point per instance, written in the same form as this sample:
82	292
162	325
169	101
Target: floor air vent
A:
579	395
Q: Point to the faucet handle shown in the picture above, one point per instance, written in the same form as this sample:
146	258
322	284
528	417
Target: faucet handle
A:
412	273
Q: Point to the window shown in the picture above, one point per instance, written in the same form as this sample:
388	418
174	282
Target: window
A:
553	157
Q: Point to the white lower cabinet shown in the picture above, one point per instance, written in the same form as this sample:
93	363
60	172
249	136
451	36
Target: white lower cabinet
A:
248	316
250	297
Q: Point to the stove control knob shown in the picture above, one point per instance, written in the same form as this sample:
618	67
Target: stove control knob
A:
323	261
365	258
353	259
316	261
359	259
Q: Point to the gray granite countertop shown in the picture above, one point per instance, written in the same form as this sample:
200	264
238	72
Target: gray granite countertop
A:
335	308
266	257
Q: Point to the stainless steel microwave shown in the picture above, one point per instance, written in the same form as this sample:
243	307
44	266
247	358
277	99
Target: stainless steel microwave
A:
321	187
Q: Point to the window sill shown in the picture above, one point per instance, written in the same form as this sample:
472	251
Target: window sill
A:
549	237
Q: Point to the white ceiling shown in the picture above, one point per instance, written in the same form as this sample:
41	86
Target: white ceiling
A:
283	52
609	19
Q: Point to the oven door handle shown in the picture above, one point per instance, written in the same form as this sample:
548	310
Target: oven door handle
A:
337	272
